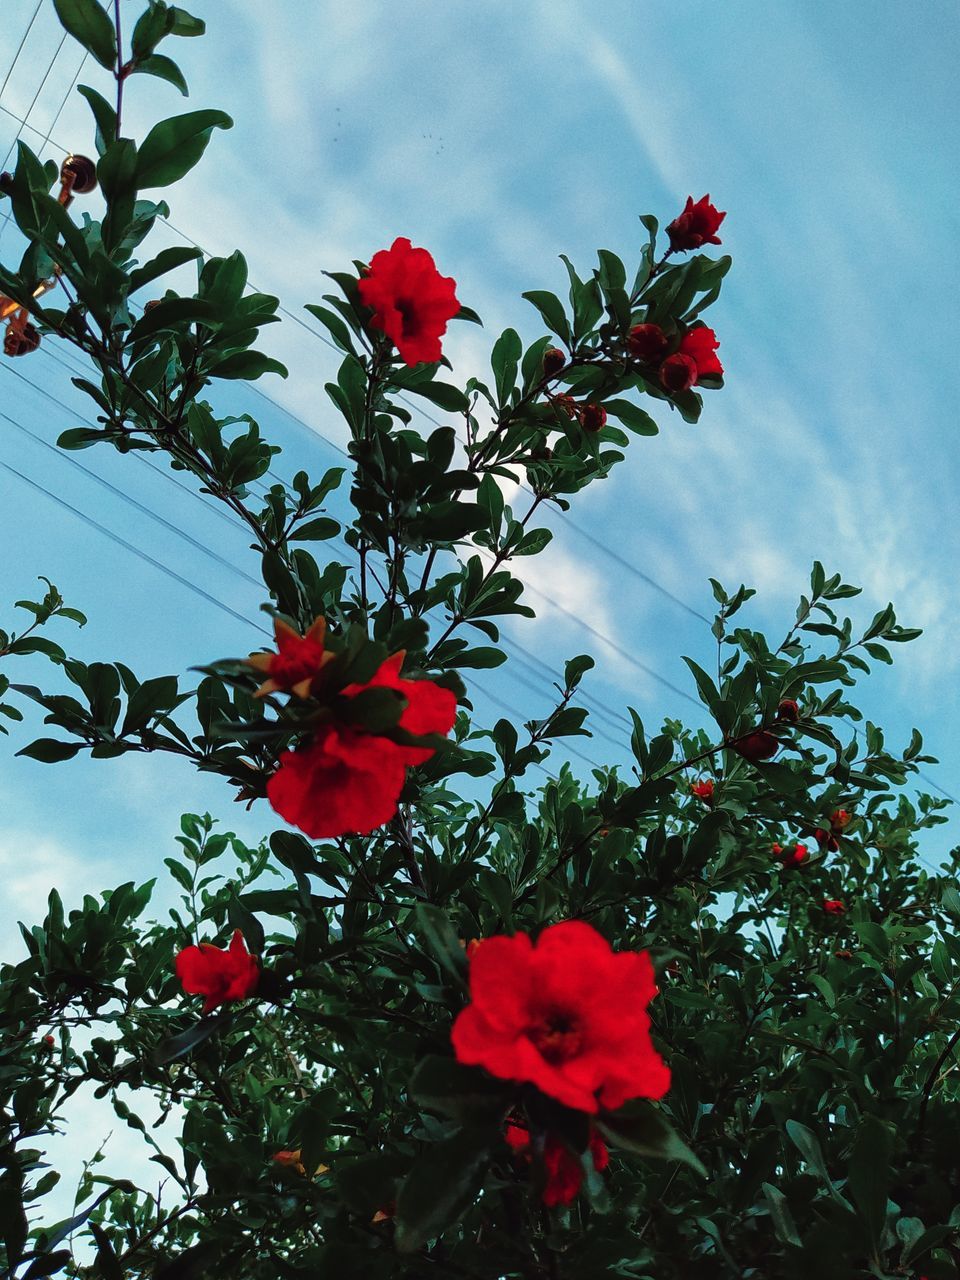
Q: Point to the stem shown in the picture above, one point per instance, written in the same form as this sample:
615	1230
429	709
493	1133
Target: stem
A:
120	72
932	1079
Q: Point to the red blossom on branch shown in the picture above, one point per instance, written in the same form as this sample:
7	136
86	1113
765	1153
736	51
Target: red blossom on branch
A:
298	661
411	300
694	360
219	975
566	1013
834	907
564	1170
346	779
703	790
697	225
794	857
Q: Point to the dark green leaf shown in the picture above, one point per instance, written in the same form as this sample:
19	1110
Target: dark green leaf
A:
88	23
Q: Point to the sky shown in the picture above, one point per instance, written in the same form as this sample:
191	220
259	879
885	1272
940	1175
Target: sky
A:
498	136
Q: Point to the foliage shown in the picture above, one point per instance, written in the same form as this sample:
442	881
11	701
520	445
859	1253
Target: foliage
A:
811	1122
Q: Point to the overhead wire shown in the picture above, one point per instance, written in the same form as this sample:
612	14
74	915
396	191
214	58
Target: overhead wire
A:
601	546
19	49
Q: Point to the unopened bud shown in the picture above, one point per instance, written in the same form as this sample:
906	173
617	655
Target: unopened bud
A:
593	417
20	341
553	361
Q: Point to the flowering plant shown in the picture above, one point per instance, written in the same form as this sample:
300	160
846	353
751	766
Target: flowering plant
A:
458	1020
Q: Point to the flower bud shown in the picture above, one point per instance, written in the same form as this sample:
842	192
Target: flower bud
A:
553	361
593	417
79	175
789	710
826	840
843	954
755	746
678	373
839	821
697	225
647	343
834	907
19	341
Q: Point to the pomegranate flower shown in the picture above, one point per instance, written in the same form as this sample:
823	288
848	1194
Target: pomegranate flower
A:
567	1014
298	660
219	975
411	300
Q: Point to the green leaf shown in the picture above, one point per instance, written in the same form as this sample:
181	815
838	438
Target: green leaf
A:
442	940
642	1128
185	24
551	309
179	1045
88	23
165	261
153	24
117	169
632	416
164	69
104	115
780	1216
248	365
446	1086
868	1176
505	361
173	147
440	1187
317	530
50	750
441	394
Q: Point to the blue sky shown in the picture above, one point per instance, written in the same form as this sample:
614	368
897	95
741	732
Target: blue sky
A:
500	135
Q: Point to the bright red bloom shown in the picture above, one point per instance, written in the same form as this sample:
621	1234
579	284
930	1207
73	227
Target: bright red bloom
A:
789	710
220	975
826	840
564	1170
834	907
695	226
647	343
411	300
593	417
840	820
348	780
567	1014
703	790
794	857
298	661
759	745
700	345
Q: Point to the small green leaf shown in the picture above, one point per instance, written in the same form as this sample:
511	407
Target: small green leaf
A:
640	1127
88	23
248	365
173	147
164	69
50	750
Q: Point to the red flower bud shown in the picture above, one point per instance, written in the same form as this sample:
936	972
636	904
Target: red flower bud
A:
834	907
553	361
843	954
593	417
566	405
564	1171
695	226
678	373
758	745
647	343
48	1042
839	821
788	710
20	340
794	857
703	790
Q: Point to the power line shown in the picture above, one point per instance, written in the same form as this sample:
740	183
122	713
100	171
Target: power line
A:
33	103
16	56
134	550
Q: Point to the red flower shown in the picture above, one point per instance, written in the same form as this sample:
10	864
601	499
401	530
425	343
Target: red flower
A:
564	1170
647	343
298	661
593	417
348	780
696	226
759	745
219	975
553	361
834	907
789	710
567	1014
703	790
411	300
839	821
826	840
794	857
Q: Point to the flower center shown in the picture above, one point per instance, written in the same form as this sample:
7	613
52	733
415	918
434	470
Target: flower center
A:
557	1036
411	321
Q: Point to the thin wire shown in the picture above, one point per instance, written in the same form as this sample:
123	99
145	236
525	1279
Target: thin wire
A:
16	56
134	550
33	103
134	502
